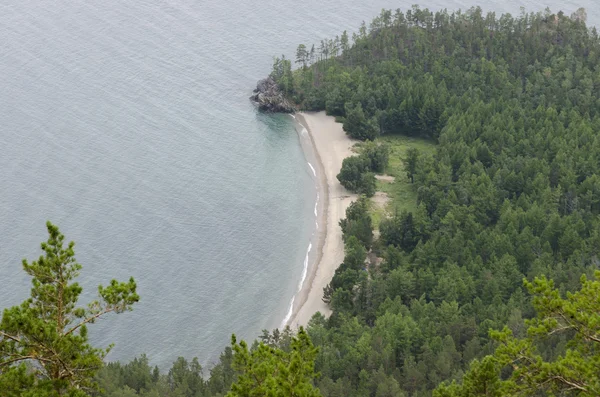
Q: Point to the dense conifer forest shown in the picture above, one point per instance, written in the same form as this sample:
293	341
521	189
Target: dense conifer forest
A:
487	287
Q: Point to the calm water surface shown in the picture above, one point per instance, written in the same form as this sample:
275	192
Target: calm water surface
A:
127	123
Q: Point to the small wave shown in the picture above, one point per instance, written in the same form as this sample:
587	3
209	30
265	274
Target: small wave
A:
304	131
300	285
305	267
313	170
305	270
294	117
289	313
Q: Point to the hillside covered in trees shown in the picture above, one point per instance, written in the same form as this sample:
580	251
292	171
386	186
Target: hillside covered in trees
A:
511	193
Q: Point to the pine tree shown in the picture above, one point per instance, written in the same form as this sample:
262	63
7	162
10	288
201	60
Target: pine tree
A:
272	372
302	55
44	349
575	372
410	163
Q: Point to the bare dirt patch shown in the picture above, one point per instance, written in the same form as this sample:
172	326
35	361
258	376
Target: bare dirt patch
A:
385	178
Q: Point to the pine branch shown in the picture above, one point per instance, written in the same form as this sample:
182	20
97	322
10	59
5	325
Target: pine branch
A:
13	338
89	319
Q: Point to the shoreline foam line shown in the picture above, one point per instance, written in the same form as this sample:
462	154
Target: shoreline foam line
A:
302	135
309	269
300	286
328	147
317	213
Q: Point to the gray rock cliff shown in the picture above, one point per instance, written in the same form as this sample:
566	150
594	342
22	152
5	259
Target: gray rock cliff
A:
269	97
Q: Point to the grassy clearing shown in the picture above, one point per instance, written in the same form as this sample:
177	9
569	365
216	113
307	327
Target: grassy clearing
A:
377	213
401	193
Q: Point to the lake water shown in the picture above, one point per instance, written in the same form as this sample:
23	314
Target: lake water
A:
127	123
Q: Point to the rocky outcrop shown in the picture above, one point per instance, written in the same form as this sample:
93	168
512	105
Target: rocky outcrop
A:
269	97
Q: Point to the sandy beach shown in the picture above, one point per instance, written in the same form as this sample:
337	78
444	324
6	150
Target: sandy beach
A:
331	146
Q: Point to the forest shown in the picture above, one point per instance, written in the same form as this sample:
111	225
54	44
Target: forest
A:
490	286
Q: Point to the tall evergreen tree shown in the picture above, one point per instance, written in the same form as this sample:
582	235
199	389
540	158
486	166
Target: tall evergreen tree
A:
44	348
574	372
273	372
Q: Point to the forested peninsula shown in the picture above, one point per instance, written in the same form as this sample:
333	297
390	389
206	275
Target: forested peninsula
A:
479	277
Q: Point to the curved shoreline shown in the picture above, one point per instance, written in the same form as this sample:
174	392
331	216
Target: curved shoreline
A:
329	146
323	197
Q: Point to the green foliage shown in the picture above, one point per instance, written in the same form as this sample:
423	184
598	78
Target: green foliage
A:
401	192
358	222
575	371
368	184
302	55
44	349
510	191
410	163
358	238
222	375
481	380
355	254
378	154
270	371
350	175
357	173
357	126
400	231
282	74
184	379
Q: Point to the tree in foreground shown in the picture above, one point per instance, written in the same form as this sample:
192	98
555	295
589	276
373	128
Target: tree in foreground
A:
272	372
576	372
44	349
